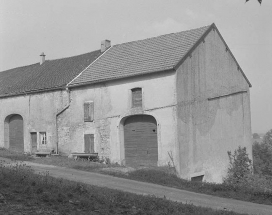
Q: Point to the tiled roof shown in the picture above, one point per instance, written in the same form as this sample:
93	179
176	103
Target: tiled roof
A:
52	74
141	57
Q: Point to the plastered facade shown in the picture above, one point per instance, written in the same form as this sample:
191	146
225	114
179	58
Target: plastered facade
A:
39	115
210	124
112	105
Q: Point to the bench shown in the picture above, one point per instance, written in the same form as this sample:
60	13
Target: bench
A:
89	156
42	154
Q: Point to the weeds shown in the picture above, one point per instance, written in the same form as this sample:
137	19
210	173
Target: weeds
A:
19	185
254	189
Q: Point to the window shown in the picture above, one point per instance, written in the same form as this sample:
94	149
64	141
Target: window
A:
43	139
197	178
88	111
136	97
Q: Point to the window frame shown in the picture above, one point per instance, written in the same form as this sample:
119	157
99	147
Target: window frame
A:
43	138
88	108
134	102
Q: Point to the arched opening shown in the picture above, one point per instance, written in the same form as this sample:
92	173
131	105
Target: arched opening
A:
140	141
14	132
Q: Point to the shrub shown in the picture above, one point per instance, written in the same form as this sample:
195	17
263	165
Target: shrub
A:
262	155
240	166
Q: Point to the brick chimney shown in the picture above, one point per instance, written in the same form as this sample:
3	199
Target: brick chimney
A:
42	58
105	44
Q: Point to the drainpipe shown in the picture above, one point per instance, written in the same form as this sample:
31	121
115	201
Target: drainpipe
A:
59	113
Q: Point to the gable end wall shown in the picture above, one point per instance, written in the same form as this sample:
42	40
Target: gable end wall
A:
210	125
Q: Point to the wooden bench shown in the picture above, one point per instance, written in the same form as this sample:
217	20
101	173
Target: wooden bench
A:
89	156
42	154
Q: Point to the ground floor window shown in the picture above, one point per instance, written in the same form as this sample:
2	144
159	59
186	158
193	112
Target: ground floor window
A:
43	139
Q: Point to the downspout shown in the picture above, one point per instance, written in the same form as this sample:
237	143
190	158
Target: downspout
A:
59	113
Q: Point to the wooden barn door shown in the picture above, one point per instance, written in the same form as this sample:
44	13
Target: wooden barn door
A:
16	133
140	140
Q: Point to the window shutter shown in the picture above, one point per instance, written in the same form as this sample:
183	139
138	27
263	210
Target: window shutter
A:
92	143
91	111
88	143
136	97
88	111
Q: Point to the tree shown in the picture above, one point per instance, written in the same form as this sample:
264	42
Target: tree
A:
240	166
260	1
267	139
262	155
256	136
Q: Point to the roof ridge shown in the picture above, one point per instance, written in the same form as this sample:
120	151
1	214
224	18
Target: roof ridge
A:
163	35
21	67
74	55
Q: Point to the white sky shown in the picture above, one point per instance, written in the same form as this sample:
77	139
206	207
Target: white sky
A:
63	28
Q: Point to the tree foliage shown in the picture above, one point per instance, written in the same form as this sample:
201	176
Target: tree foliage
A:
256	136
262	155
240	166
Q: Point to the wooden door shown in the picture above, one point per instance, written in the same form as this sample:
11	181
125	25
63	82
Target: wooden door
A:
141	145
33	141
88	143
16	133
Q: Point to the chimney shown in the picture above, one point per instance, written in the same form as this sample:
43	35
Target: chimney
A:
42	58
105	44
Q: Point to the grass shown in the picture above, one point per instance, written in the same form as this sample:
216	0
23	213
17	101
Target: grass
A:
163	176
24	192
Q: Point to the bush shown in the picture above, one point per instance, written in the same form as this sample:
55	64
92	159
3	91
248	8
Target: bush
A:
240	178
240	166
258	183
262	155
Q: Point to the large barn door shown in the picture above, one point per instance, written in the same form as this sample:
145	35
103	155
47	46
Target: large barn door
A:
140	140
16	133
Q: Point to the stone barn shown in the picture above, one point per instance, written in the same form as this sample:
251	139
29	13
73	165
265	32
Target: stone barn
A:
178	99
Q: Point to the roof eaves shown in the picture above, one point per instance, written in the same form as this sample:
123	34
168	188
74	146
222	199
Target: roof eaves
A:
213	26
194	46
239	67
32	92
116	78
87	67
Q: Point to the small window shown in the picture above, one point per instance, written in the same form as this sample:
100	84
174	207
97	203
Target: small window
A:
197	178
43	139
136	97
88	111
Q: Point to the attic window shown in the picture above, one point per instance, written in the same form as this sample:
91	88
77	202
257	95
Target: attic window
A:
88	111
136	97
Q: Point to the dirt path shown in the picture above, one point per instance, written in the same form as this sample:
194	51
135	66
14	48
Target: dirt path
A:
151	189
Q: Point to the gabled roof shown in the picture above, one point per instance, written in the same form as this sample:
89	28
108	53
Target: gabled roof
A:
162	53
140	57
52	74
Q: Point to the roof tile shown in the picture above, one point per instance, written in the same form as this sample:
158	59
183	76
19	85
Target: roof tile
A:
140	57
51	74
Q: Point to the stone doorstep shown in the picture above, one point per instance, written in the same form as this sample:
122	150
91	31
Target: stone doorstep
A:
84	155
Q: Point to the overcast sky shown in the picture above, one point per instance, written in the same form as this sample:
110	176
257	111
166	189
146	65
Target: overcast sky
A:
63	28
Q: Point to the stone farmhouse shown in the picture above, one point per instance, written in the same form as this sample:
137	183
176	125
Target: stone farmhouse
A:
178	99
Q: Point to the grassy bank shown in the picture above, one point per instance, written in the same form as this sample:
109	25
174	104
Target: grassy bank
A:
163	176
23	192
